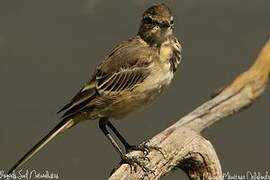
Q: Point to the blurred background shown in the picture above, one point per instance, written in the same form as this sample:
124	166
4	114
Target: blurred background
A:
48	49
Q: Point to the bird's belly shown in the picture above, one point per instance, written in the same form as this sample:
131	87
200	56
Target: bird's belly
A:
145	94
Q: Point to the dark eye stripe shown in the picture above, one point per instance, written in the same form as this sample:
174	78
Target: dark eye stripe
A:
149	20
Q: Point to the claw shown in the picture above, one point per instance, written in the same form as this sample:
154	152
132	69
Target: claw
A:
134	162
138	148
145	148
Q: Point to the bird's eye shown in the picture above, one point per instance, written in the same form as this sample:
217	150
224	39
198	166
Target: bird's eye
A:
147	20
172	22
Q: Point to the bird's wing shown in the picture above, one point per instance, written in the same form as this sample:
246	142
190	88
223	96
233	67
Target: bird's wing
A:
85	95
126	66
122	81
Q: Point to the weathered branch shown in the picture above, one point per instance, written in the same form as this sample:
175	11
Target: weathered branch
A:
201	162
182	143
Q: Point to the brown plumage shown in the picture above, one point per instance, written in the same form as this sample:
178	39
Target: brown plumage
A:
131	76
123	69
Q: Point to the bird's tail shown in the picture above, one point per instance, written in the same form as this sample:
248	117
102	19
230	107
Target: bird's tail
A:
61	127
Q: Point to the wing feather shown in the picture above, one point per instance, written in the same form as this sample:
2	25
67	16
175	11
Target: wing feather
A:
124	80
87	92
123	69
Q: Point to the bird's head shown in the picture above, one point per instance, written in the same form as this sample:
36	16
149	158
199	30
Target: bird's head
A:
157	24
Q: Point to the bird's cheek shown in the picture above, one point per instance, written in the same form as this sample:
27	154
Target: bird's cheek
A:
167	32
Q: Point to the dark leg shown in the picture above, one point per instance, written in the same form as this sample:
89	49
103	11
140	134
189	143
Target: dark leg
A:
132	161
102	125
120	137
142	147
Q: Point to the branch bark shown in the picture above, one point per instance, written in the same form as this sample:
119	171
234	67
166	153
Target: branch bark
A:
182	143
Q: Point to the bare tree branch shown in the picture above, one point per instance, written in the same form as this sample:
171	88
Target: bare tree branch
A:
201	161
182	143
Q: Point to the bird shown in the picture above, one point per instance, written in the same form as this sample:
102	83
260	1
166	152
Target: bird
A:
131	76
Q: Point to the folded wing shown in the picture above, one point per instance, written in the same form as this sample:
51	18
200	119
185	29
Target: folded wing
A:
127	66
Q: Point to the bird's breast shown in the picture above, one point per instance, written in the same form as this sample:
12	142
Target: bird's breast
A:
146	93
153	86
160	77
165	53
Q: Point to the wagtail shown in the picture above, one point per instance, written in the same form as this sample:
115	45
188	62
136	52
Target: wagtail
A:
131	76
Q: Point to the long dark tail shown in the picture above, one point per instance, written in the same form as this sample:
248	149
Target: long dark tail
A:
61	127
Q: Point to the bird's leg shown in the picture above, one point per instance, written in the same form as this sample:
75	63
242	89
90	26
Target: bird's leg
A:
119	136
142	147
102	125
131	161
128	147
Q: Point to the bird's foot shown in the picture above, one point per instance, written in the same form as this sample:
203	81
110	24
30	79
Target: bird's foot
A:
135	162
144	148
